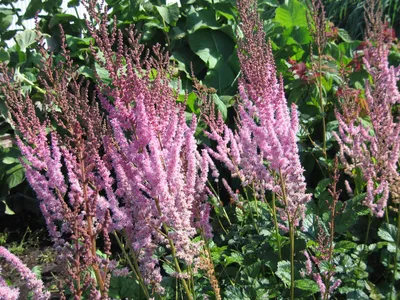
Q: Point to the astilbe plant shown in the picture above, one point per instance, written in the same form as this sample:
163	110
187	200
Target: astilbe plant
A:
370	150
159	197
263	151
373	147
34	284
61	168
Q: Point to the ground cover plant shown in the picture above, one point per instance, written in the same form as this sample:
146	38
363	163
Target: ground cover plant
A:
255	157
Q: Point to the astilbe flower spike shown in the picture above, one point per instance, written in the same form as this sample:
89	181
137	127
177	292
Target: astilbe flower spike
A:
34	284
374	148
159	197
62	168
263	150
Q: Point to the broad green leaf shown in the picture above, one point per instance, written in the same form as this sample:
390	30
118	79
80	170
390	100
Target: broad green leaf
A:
168	269
33	7
4	55
388	232
6	18
307	285
344	35
301	35
226	10
234	257
292	14
283	272
344	246
199	19
220	105
357	295
15	175
61	18
25	39
322	186
170	14
222	78
211	46
37	270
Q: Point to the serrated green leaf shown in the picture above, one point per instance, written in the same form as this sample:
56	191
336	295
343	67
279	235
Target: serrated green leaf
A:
283	272
307	285
388	232
234	257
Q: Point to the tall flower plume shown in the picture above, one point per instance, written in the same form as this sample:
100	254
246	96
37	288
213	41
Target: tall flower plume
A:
61	168
374	147
159	197
263	150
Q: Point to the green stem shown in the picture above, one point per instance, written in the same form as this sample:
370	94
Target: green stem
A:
396	253
134	266
291	233
251	212
322	107
278	237
173	252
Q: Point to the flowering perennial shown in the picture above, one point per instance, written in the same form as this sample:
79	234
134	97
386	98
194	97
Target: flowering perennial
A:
373	147
263	151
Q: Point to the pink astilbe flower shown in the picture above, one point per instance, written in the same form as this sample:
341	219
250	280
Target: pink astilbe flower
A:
61	168
159	197
263	150
7	292
34	284
373	147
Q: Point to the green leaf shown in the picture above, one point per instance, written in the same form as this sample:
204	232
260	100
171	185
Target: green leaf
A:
321	187
220	105
61	18
33	7
235	257
344	35
15	175
292	14
170	14
168	269
301	35
283	272
344	246
4	55
357	295
6	18
222	78
225	9
388	232
37	270
73	3
211	46
307	285
199	19
25	39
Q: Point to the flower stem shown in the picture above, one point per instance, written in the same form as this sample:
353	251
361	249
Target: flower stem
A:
278	237
291	234
134	266
396	253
